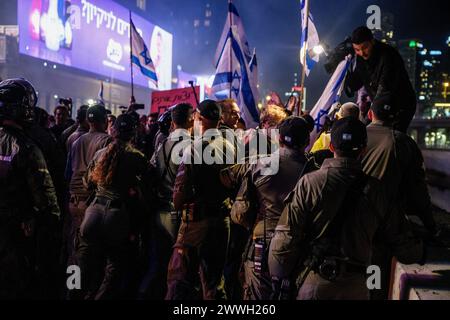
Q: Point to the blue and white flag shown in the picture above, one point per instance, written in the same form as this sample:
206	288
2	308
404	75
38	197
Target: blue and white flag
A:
330	96
236	83
253	70
234	19
309	40
253	67
141	55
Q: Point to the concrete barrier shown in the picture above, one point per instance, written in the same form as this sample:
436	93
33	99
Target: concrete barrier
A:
428	282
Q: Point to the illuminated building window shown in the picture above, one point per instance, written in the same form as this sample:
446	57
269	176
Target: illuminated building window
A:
196	23
437	138
207	23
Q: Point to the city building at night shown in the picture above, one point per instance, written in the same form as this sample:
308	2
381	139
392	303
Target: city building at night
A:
55	51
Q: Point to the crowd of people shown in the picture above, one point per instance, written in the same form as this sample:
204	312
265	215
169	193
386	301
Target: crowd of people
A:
106	194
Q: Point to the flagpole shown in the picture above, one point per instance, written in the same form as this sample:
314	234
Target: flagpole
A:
131	63
305	52
231	45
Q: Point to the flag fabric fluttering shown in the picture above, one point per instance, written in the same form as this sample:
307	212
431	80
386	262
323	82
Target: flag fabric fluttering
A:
100	93
330	97
141	55
309	40
236	70
234	19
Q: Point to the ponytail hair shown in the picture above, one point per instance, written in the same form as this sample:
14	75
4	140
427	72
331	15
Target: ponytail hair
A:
105	170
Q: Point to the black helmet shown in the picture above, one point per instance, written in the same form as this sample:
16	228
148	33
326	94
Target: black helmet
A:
165	121
17	100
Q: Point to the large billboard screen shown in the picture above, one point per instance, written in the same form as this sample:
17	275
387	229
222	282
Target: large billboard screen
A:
91	35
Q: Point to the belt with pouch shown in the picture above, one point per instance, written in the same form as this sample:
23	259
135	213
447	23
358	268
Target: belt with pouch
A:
331	268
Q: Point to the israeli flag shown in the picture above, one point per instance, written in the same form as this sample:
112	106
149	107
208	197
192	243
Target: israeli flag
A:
309	40
141	55
234	19
330	97
233	79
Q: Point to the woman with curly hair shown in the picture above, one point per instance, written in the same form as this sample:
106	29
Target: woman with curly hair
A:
119	176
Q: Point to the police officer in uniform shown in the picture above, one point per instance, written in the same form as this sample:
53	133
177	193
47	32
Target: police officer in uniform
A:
238	234
201	246
55	159
271	185
330	222
119	174
81	154
166	220
29	211
393	158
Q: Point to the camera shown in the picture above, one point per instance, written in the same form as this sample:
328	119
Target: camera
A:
66	102
136	106
338	54
165	121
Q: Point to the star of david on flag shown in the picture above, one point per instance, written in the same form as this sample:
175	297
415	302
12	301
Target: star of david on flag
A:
236	69
140	55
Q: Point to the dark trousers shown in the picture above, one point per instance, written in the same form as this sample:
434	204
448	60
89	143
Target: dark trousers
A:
164	234
72	223
347	286
15	267
234	263
200	252
103	252
258	285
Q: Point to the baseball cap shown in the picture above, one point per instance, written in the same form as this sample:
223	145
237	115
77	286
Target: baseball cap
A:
210	109
96	113
383	108
348	134
124	123
294	131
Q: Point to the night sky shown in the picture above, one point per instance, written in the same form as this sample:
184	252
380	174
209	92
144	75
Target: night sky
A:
273	27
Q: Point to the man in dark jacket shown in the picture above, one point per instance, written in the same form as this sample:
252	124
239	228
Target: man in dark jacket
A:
380	70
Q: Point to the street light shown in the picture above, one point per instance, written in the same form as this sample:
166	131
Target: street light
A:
318	49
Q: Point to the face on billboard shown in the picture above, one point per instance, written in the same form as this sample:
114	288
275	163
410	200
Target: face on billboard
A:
92	35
